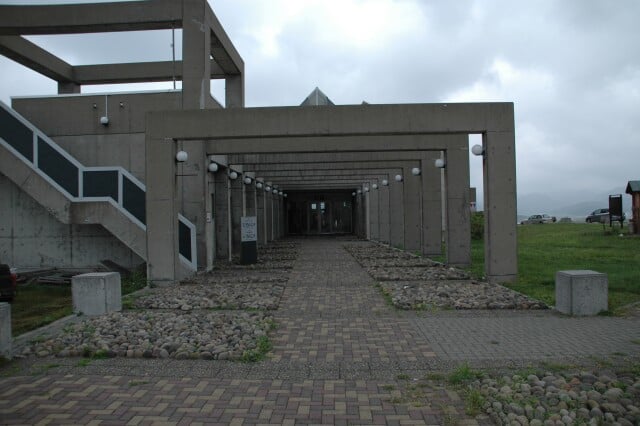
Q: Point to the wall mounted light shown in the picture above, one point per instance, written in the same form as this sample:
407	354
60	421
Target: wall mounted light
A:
398	178
477	150
359	191
213	167
440	163
267	188
385	182
104	120
353	194
281	193
182	156
247	180
233	175
258	184
366	189
374	186
415	171
284	195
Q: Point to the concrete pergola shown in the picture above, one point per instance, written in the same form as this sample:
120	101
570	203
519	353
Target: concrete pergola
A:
338	130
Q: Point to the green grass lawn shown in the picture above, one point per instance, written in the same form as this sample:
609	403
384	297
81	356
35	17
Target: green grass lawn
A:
545	249
36	305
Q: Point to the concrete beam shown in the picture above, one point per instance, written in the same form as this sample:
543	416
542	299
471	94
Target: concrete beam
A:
135	72
277	128
90	18
34	57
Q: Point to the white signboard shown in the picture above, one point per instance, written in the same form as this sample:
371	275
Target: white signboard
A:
249	229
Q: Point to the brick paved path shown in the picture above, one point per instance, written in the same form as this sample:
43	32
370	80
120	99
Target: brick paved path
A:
340	356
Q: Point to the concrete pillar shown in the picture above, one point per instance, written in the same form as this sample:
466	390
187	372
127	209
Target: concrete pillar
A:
234	91
367	214
162	211
500	215
374	203
412	201
269	216
261	213
210	229
384	216
5	330
250	199
458	228
196	90
237	202
221	214
396	213
431	205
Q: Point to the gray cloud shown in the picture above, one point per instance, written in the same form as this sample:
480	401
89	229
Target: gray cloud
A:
572	68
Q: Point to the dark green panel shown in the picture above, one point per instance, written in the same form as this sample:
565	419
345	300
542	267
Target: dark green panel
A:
184	240
133	199
100	183
57	167
16	134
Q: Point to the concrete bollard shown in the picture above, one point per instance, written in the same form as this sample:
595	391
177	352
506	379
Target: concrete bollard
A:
5	330
96	293
581	292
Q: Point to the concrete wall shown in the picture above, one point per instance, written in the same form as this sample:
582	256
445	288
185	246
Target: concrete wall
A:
30	237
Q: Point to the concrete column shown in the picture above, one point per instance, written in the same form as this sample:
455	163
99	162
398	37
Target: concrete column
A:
196	90
500	215
196	51
237	201
5	330
384	216
162	211
458	228
210	230
431	205
412	201
269	216
221	214
260	203
396	213
367	214
374	203
234	91
250	199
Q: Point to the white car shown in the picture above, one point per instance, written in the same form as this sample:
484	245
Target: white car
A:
539	219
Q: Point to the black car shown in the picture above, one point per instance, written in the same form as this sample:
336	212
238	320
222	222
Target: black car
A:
602	215
8	283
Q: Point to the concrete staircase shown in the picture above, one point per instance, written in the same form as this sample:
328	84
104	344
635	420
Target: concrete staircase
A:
71	192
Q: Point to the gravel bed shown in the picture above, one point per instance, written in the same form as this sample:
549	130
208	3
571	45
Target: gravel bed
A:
450	294
149	334
212	296
570	398
414	282
420	262
417	274
261	265
233	276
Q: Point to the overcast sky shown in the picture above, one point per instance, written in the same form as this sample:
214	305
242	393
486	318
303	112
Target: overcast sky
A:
571	67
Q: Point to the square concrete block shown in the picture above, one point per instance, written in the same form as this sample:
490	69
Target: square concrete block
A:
5	330
581	292
96	293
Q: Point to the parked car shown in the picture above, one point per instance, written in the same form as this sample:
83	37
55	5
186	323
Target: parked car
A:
539	219
8	283
602	215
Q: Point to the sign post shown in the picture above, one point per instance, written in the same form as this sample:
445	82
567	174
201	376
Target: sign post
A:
249	240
